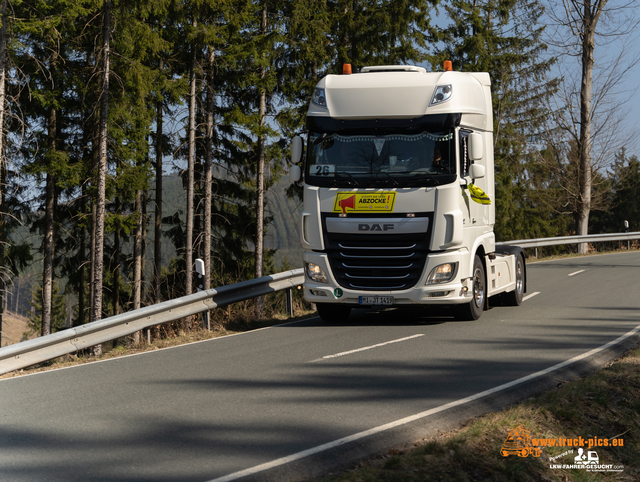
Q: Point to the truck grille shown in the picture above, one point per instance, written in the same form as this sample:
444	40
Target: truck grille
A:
377	262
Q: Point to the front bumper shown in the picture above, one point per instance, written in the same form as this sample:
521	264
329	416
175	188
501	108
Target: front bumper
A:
456	291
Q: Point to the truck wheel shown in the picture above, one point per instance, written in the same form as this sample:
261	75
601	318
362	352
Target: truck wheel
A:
472	310
514	298
333	312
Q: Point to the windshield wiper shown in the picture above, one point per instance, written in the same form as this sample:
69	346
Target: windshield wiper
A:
431	176
393	180
340	174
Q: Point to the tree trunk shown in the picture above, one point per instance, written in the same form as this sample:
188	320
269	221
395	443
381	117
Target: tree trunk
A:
589	22
190	175
82	262
197	209
137	253
343	46
47	270
157	242
259	259
143	247
92	252
18	294
208	177
85	257
3	284
3	161
96	304
137	259
116	258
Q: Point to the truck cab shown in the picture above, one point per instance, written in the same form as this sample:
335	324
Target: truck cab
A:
398	193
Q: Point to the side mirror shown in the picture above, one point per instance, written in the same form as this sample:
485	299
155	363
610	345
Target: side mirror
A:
295	173
296	149
296	154
476	171
476	147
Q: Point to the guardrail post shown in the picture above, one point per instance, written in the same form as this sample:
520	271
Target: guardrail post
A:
626	230
206	323
289	296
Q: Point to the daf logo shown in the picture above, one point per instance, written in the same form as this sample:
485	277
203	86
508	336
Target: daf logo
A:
375	227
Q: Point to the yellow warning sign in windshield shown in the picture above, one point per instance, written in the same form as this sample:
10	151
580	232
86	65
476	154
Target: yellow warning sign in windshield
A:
374	202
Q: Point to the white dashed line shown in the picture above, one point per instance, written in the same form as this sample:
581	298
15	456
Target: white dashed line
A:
531	295
366	348
573	274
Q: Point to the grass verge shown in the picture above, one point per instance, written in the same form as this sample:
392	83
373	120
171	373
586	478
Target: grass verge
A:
604	406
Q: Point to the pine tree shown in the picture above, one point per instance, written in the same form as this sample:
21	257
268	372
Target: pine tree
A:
263	43
43	30
58	310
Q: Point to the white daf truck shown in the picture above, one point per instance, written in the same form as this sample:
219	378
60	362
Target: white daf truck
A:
399	194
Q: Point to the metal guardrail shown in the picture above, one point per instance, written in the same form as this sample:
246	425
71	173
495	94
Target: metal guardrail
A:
20	355
589	238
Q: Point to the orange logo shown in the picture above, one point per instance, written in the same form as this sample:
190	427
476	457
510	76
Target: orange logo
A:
519	443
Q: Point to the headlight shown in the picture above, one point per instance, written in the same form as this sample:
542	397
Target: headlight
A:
319	98
443	273
315	273
441	94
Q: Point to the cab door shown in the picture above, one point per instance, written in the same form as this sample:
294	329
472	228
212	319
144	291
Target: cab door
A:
476	210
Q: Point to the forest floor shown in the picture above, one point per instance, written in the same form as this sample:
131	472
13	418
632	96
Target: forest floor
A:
13	328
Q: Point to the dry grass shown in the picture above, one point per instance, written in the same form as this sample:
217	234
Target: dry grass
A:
13	328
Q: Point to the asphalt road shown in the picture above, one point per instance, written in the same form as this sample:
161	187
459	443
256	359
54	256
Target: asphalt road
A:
210	409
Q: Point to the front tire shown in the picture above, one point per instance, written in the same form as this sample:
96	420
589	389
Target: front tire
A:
333	312
473	310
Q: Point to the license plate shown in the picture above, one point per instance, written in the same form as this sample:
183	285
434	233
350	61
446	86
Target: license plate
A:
376	300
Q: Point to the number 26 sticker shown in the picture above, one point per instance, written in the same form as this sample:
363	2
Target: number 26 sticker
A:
328	170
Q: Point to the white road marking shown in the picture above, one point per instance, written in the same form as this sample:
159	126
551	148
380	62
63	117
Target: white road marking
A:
531	295
573	274
418	416
367	348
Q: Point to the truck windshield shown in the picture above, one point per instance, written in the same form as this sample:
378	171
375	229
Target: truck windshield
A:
384	159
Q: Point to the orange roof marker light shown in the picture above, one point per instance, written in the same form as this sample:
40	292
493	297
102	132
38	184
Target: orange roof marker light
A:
448	66
346	69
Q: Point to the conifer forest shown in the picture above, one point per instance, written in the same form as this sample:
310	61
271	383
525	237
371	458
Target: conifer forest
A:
139	135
